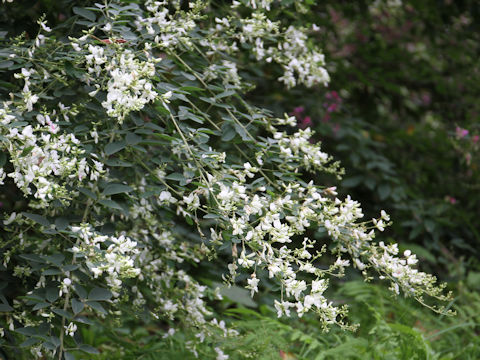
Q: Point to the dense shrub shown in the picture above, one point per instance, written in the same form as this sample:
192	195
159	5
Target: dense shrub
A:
140	170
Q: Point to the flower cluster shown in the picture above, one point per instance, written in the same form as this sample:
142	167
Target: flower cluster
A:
128	87
107	254
28	98
268	228
44	160
301	63
169	30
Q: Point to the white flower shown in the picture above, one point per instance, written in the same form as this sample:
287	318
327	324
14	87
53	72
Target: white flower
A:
107	27
283	307
2	176
166	197
360	265
44	26
70	329
319	286
169	333
384	215
220	354
245	261
75	46
10	219
253	284
295	287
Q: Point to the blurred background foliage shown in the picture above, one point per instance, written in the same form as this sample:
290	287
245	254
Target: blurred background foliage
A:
402	115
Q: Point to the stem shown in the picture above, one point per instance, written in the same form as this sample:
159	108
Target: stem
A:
67	297
159	179
200	167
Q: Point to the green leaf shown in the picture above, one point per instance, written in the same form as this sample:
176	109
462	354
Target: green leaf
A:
165	137
153	126
111	204
80	290
52	294
225	94
70	267
429	225
37	218
87	14
5	64
77	306
32	257
41	305
228	132
89	349
241	131
384	191
133	139
55	259
49	346
29	342
88	193
473	280
28	331
175	176
50	272
61	223
5	308
112	189
352	181
97	306
3	158
63	313
114	147
99	294
6	85
238	295
54	340
191	88
27	150
68	356
84	320
118	163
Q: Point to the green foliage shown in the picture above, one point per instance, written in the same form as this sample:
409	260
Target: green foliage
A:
390	329
147	154
408	79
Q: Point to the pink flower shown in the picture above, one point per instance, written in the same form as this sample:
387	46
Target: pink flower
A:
332	95
332	108
426	99
306	122
476	138
450	199
298	110
461	133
